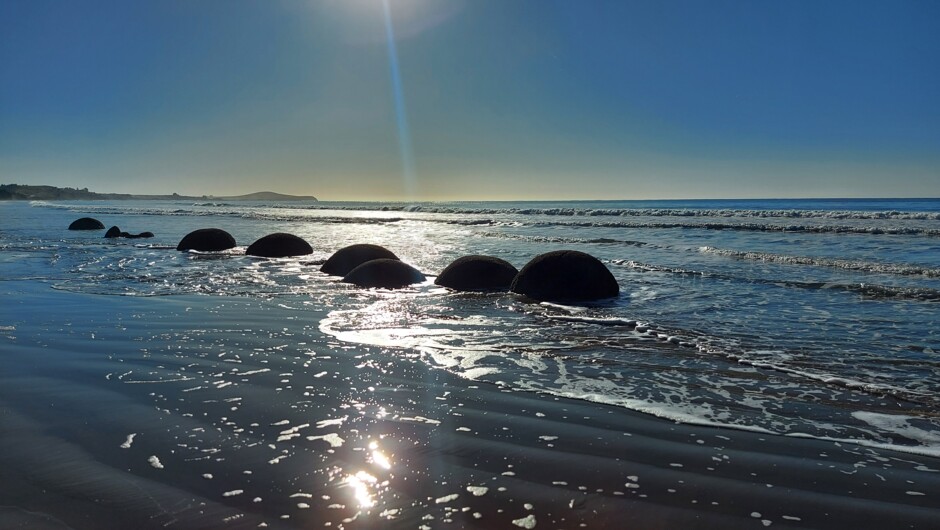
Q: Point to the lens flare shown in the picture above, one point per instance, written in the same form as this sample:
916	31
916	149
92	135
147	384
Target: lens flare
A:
401	117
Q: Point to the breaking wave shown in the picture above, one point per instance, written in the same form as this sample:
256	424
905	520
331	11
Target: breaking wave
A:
867	290
854	265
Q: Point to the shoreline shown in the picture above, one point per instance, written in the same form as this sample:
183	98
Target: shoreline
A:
77	390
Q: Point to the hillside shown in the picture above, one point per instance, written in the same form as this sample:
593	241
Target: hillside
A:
51	193
44	193
268	196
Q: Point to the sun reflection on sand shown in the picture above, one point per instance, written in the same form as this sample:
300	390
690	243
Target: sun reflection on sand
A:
362	484
366	487
378	457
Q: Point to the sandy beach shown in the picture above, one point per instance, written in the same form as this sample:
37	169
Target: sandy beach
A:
202	412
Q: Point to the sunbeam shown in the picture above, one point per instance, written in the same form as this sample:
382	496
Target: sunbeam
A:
409	177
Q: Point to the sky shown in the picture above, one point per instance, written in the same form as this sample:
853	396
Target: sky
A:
473	99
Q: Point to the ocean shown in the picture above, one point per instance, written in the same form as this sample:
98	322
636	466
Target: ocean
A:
189	389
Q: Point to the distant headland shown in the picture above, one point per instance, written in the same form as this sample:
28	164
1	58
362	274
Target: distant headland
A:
22	192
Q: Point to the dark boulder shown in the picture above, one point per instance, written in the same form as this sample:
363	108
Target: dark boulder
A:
478	273
278	246
114	232
207	240
346	259
565	275
385	273
86	223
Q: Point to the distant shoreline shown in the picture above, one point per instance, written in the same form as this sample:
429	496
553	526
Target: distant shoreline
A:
14	192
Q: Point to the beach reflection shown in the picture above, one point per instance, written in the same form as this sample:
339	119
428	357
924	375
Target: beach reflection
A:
362	485
378	457
366	487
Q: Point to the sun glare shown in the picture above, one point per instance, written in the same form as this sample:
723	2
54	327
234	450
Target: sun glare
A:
361	483
378	457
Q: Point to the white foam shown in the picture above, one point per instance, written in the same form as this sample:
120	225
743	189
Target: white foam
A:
899	424
155	462
419	419
333	439
130	440
291	433
527	522
478	491
446	498
626	322
233	493
253	372
327	423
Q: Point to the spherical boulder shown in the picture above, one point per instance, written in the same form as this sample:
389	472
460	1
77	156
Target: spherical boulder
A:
478	273
86	223
279	245
113	232
346	259
136	236
565	276
385	273
207	240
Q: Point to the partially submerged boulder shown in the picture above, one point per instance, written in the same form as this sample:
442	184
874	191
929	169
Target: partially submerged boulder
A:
207	240
385	273
279	245
86	223
344	260
565	275
478	273
115	232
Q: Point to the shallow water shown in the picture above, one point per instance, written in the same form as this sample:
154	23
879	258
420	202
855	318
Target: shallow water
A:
756	328
247	378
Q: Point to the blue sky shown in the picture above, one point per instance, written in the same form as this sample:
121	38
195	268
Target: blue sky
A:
503	99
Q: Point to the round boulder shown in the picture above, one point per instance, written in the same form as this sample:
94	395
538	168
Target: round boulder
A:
344	260
478	273
279	245
565	275
207	240
113	232
136	236
86	223
385	273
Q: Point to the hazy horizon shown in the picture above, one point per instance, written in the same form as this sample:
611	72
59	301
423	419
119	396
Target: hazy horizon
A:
433	100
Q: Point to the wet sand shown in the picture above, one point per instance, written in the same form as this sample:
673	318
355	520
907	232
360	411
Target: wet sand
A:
243	414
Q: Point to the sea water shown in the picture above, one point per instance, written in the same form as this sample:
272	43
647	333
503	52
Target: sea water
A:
804	318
